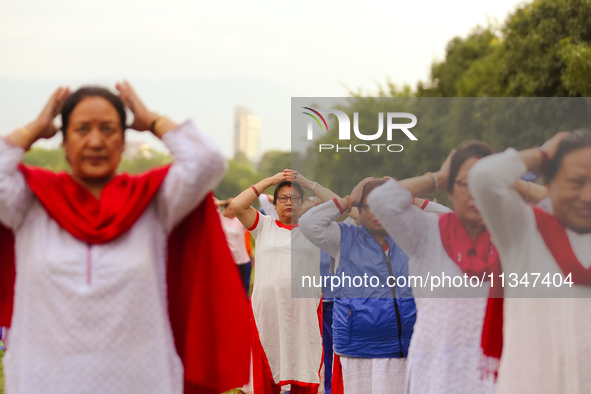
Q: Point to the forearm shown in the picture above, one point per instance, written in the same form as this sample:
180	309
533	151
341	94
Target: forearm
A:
245	199
25	136
392	205
424	184
14	193
492	184
319	227
533	159
322	192
163	125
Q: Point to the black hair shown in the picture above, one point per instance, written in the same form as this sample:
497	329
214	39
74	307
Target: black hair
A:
466	151
369	186
281	185
92	91
580	138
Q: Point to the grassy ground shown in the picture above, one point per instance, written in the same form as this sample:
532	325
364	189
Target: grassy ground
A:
1	375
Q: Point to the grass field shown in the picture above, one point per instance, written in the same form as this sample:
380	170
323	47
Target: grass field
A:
1	375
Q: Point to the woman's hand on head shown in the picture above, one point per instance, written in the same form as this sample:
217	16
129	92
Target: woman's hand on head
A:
43	126
285	175
443	173
357	191
301	180
551	146
142	116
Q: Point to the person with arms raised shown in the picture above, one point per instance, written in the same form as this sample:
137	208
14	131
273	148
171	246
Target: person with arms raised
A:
114	289
546	336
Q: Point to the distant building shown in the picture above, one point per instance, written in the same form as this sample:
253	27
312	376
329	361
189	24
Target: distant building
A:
247	129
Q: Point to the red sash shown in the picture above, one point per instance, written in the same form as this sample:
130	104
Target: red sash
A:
205	295
476	258
473	257
556	239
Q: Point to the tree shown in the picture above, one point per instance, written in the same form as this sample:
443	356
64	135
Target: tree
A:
542	50
272	162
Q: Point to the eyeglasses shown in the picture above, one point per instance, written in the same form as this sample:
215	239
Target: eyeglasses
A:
365	208
283	199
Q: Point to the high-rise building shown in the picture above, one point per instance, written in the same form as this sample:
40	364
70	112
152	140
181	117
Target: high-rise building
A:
247	129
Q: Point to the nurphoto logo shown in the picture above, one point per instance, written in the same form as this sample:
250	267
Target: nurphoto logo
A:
345	129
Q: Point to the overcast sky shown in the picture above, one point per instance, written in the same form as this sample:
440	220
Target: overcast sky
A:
199	59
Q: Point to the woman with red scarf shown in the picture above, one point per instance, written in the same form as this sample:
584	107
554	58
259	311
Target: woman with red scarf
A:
546	336
445	352
107	296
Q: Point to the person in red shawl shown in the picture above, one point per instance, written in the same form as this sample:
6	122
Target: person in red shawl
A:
546	327
118	277
446	353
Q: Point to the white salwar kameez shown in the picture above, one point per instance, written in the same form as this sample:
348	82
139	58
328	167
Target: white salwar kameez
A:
94	318
288	328
445	350
547	341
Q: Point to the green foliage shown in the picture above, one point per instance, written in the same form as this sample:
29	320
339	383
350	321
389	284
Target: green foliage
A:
1	374
52	159
542	50
140	164
55	160
447	76
272	162
237	179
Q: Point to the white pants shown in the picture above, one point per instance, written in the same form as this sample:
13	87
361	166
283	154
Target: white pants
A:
374	375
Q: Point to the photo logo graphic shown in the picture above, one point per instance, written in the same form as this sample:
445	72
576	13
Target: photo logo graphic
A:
345	129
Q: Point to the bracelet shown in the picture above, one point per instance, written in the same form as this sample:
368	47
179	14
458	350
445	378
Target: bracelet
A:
338	205
435	181
255	190
24	131
350	204
156	121
545	160
314	187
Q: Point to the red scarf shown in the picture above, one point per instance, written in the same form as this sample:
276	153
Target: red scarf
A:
205	294
473	257
556	239
476	258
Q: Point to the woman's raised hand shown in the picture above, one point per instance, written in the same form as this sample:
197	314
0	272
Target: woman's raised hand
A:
551	146
301	180
443	173
142	116
43	126
285	175
358	191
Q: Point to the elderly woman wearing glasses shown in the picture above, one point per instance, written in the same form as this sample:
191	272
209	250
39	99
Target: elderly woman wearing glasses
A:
287	340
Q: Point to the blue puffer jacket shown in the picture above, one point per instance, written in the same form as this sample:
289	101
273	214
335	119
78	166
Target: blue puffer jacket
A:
367	321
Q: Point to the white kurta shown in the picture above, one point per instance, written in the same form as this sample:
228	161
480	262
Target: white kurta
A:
547	341
445	350
288	327
94	319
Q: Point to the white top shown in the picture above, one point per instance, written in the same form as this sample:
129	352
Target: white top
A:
94	319
234	231
445	349
288	327
547	341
